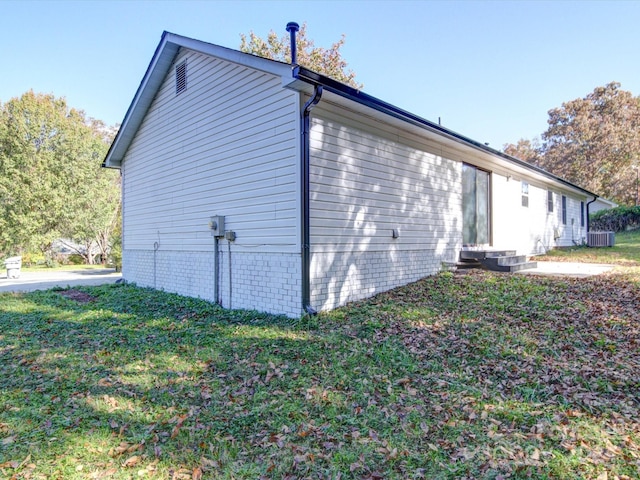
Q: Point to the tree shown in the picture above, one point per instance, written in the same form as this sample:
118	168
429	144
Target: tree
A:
327	62
594	142
51	183
526	150
96	199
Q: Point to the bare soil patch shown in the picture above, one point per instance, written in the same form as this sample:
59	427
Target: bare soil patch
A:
78	296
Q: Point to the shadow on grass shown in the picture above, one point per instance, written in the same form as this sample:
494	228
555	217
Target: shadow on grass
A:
172	378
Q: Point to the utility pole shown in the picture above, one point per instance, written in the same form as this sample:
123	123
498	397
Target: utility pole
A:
636	167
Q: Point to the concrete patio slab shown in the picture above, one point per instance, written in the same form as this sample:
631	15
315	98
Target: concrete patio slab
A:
568	269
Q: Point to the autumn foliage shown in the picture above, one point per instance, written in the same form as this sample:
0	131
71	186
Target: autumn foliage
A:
326	61
593	142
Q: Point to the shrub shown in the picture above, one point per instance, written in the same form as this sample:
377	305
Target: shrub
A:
31	259
617	219
76	259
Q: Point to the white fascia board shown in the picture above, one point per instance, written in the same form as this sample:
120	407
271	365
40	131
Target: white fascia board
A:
153	78
241	58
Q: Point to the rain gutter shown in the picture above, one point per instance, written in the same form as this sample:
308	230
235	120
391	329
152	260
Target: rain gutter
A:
346	91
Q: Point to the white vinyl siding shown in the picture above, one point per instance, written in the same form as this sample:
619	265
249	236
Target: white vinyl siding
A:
573	233
366	181
364	185
225	146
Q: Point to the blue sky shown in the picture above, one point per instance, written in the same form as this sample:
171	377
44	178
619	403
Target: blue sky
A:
489	70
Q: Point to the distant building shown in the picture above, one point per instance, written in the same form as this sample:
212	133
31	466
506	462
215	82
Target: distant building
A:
602	204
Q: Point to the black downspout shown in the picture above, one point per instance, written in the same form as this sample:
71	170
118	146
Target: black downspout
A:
589	203
305	200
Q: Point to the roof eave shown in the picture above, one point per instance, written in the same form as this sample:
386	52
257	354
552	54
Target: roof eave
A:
356	95
151	81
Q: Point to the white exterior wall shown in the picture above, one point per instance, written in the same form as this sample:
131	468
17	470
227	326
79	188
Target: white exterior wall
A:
533	229
228	145
573	233
368	178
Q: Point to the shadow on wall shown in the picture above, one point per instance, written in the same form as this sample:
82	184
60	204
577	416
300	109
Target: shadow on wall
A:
383	213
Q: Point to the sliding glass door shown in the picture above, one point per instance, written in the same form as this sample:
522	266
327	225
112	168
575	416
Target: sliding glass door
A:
475	206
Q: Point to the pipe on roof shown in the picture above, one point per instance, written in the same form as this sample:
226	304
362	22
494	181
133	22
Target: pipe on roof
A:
292	28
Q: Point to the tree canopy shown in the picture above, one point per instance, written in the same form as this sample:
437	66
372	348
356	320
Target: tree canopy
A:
51	183
593	142
326	61
527	150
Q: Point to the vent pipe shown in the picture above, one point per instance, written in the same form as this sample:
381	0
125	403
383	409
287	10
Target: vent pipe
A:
292	28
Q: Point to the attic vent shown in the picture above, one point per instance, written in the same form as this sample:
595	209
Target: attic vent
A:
181	77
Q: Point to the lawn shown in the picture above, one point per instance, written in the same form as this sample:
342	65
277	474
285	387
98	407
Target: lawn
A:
464	375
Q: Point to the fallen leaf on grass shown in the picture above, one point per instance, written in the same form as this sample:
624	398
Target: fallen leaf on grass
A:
181	474
207	463
105	382
125	447
110	472
132	461
176	430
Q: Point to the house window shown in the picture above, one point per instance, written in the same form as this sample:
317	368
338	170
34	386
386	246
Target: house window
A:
525	194
181	77
549	201
564	210
582	214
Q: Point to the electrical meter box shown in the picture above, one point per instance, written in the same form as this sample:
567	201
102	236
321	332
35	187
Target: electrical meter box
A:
216	224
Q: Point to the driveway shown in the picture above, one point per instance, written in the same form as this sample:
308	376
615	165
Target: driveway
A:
30	281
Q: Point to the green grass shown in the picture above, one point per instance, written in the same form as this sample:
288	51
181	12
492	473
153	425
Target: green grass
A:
474	375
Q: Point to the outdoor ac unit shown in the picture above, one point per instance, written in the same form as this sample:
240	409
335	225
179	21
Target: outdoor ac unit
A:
601	239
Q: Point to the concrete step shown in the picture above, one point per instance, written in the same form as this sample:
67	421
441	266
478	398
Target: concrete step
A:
516	267
503	261
471	255
495	260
